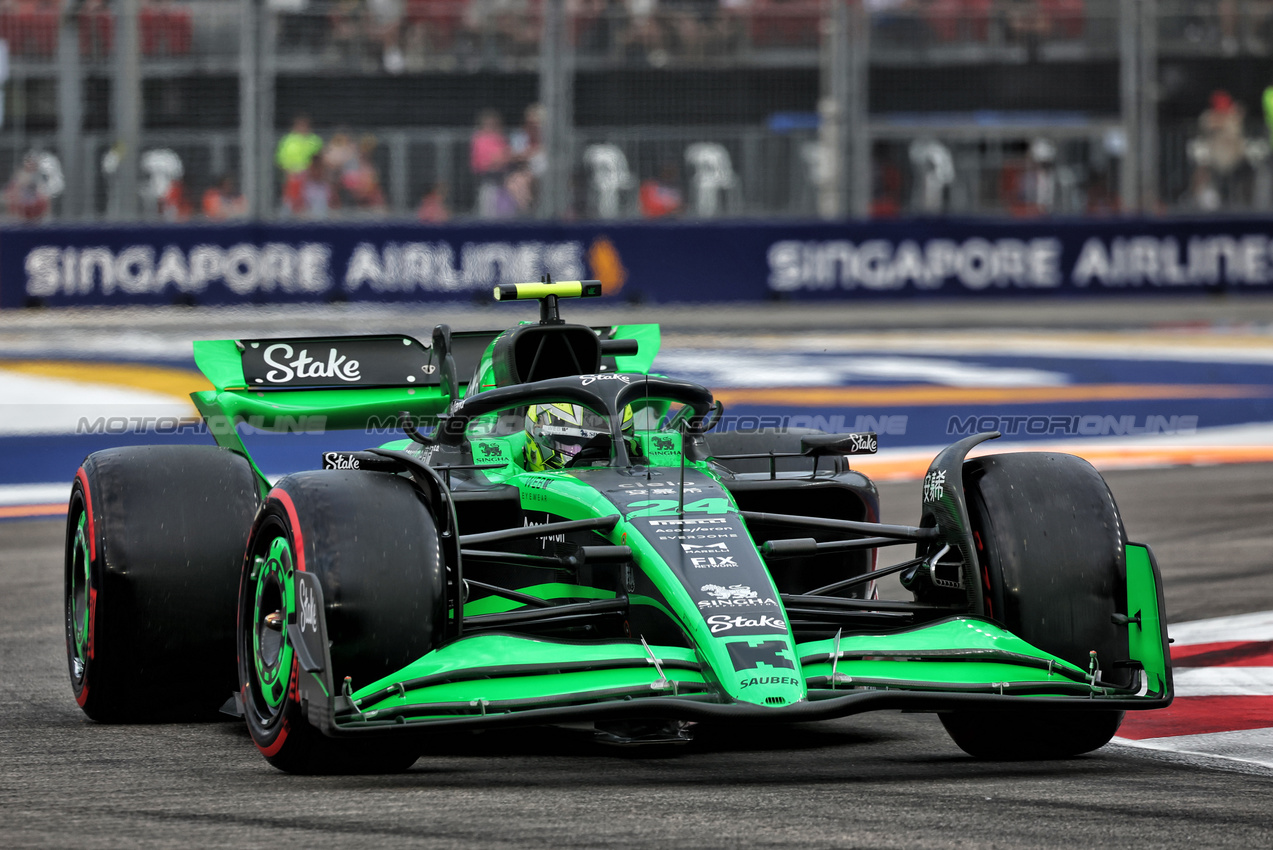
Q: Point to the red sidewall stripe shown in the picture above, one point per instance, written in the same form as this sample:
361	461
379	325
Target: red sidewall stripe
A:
82	477
294	521
289	507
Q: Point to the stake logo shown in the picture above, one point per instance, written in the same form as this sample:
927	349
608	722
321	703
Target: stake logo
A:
339	460
589	379
303	366
309	611
724	623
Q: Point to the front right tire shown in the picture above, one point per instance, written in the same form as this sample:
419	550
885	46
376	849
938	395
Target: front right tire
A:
1054	571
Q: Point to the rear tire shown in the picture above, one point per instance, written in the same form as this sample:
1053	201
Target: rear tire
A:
154	542
1053	558
370	539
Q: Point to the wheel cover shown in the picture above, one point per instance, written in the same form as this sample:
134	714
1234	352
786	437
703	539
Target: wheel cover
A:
78	597
271	650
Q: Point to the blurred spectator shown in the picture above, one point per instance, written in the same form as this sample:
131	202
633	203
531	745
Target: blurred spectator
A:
661	196
1202	195
934	173
297	151
360	181
346	30
385	23
340	153
164	191
644	40
1223	148
1268	111
223	201
1037	186
488	157
433	207
526	145
1102	199
515	196
28	194
310	194
598	24
1025	22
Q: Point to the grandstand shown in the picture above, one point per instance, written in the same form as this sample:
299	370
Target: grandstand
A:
794	109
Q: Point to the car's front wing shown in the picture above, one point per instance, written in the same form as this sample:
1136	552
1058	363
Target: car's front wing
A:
508	679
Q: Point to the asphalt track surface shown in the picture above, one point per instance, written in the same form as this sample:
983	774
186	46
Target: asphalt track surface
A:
875	780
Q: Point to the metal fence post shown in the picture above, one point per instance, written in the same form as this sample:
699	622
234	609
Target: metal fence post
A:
834	149
126	106
249	131
70	112
1129	45
556	96
857	120
1148	105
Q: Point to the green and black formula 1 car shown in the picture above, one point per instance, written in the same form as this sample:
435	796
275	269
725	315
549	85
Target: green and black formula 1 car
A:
567	539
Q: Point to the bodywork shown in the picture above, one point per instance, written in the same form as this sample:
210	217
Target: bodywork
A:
681	589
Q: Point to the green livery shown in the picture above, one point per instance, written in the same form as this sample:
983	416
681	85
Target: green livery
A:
662	569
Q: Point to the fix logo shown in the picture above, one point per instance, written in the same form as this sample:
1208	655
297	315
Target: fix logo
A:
309	611
303	366
718	548
712	562
723	623
935	485
589	379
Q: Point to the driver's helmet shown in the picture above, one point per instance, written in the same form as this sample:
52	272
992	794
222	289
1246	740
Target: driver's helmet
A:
556	433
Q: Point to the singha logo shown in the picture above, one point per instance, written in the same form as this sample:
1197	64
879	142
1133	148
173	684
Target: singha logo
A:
734	591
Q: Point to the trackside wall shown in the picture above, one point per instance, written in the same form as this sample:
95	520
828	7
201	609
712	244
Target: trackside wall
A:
674	262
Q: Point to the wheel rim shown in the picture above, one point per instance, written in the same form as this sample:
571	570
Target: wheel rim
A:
271	651
79	596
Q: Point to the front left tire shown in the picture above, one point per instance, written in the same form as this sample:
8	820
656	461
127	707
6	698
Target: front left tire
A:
372	542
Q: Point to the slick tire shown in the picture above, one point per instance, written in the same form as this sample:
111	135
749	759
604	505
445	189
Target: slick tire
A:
154	543
1053	557
372	542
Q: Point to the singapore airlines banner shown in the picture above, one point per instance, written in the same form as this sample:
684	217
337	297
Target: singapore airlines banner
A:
661	262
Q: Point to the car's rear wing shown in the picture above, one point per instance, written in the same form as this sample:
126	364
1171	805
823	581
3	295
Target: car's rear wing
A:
306	384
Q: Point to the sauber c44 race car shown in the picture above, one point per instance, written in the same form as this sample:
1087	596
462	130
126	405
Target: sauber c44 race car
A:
566	538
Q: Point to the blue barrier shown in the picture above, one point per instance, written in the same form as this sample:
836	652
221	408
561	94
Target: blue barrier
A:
665	262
